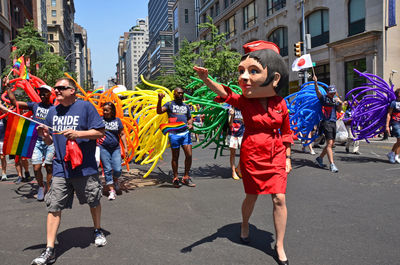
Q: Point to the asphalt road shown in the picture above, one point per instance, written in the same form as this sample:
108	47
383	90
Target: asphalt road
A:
351	217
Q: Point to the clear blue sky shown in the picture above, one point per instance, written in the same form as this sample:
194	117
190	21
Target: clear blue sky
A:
104	22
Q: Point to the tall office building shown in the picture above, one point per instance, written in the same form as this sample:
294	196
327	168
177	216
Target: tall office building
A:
122	46
5	34
157	59
184	23
40	17
60	26
137	44
345	34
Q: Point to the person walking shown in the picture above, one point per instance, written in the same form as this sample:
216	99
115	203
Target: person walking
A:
393	120
110	151
179	112
73	122
42	153
236	131
265	153
350	139
330	105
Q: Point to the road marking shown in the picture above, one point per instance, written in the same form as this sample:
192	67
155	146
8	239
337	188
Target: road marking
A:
392	169
375	154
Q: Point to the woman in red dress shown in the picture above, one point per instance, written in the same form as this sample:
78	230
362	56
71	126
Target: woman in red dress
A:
265	153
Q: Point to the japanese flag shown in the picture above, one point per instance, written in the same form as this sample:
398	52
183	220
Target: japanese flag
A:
302	62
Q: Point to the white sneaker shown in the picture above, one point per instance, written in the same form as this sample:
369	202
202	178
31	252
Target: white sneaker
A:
99	238
312	152
391	157
4	177
40	194
397	158
112	195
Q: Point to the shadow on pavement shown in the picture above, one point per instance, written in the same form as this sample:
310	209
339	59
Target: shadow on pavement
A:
78	237
27	190
361	159
259	239
213	171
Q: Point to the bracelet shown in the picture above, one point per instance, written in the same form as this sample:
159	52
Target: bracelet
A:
288	157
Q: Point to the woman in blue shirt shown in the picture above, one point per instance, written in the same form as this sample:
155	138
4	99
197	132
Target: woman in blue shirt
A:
110	151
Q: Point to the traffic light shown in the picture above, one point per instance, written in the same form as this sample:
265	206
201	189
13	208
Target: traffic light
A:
297	48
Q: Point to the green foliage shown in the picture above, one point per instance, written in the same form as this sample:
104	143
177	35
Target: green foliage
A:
212	53
31	45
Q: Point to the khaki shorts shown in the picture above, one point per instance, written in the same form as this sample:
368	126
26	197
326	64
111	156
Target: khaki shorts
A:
88	189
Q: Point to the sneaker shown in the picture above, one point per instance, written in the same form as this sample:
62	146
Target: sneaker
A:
116	185
333	168
312	152
391	157
347	150
357	153
319	162
19	180
40	194
48	256
188	182
397	158
28	177
4	177
176	183
303	149
99	238
112	195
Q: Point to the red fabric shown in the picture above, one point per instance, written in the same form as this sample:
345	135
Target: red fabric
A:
260	45
263	154
73	154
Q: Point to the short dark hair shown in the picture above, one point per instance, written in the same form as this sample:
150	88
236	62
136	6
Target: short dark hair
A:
397	92
274	63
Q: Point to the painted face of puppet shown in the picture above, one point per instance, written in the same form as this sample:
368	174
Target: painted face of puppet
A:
252	76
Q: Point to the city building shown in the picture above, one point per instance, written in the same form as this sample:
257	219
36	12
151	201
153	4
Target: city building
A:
184	23
137	44
157	59
80	51
345	34
40	17
5	34
60	26
122	46
20	12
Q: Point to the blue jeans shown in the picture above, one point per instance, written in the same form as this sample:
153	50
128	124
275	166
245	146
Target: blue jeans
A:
111	160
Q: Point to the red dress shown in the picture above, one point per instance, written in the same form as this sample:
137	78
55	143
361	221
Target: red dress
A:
263	154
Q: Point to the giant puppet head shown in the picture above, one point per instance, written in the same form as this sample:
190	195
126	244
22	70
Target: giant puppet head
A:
262	71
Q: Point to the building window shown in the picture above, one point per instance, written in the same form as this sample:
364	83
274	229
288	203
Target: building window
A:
204	18
352	79
226	3
176	42
280	38
249	15
186	15
217	9
51	37
53	3
51	49
356	11
3	64
1	34
53	13
317	25
275	5
212	11
230	27
176	19
323	73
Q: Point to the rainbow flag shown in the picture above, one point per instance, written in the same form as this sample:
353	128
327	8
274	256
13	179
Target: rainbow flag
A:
20	136
172	126
19	62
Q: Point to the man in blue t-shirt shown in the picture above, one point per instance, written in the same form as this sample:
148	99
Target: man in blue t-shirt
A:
42	153
330	105
179	112
71	120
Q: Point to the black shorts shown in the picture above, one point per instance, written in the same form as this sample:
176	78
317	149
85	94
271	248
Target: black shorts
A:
329	129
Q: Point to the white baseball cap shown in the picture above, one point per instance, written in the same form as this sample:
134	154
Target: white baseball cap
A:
45	87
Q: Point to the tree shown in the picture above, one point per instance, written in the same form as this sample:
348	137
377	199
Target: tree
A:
31	45
212	53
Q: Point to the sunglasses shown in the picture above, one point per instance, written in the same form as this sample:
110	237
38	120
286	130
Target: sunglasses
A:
61	88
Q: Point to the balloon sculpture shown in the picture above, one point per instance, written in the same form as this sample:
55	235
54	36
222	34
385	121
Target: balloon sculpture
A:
368	115
305	110
215	115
